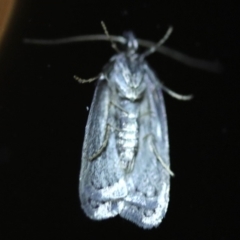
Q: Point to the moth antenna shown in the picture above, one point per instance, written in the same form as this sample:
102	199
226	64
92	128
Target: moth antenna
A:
83	38
113	44
160	42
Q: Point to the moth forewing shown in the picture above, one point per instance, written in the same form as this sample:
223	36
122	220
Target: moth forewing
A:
98	183
147	201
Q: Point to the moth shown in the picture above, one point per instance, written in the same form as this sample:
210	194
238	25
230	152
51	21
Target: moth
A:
125	158
125	167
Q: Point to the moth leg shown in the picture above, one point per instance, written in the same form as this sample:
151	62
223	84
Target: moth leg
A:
116	105
147	114
154	149
104	144
81	80
176	95
114	46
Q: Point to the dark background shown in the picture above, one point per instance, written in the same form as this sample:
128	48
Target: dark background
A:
43	116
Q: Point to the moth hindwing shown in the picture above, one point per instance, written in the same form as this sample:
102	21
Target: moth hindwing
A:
125	166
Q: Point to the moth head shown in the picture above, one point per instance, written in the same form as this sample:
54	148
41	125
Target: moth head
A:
131	43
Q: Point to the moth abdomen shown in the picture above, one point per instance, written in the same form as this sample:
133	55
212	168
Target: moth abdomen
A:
128	143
